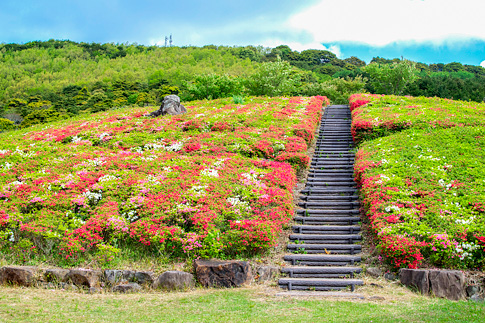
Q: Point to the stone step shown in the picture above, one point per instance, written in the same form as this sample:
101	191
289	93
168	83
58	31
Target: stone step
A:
337	213
319	284
320	272
322	220
333	205
326	229
325	238
350	249
322	260
348	198
329	190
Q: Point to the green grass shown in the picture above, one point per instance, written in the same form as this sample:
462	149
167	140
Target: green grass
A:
241	305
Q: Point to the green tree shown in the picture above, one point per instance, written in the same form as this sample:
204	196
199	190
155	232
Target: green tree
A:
273	79
392	78
41	116
214	86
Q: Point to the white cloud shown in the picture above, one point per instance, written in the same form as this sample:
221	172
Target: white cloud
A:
482	64
380	22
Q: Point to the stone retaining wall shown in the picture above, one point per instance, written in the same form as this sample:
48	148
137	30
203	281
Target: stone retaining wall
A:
212	273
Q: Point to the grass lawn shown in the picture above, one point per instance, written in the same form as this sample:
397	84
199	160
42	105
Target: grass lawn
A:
255	304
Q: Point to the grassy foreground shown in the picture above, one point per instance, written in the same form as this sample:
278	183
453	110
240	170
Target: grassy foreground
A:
237	305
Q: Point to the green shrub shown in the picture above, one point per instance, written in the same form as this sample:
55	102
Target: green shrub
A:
214	86
6	124
40	116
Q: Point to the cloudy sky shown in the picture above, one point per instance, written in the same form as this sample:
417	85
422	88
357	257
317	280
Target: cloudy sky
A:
429	31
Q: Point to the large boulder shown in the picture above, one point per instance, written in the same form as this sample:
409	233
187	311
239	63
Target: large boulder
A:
216	273
170	105
84	277
174	280
448	284
415	278
23	276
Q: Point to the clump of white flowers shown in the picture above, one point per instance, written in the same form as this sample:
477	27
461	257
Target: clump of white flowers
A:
93	197
106	178
238	203
176	146
390	208
210	172
95	162
465	249
199	190
7	166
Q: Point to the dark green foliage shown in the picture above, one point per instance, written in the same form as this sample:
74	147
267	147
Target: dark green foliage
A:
41	116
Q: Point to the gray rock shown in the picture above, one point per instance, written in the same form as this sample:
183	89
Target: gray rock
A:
174	280
374	272
22	276
171	105
55	275
143	277
84	277
416	278
390	276
129	275
265	273
476	298
472	290
448	284
127	288
112	277
216	273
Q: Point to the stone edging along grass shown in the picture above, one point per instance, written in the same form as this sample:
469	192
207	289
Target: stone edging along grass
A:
208	273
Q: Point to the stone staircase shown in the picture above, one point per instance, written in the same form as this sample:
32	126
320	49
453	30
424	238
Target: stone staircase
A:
325	240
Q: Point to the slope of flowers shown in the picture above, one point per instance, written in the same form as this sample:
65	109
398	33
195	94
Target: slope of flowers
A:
380	115
423	188
215	182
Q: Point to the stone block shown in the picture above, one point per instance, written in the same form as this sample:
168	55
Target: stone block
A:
217	273
143	277
127	288
22	276
55	275
416	278
448	284
174	280
84	277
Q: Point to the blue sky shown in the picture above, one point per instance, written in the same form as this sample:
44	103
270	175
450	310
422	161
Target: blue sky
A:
422	30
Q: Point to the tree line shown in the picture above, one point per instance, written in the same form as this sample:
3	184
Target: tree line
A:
45	81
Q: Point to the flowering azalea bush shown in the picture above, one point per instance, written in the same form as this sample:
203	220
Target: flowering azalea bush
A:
215	182
374	116
423	189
